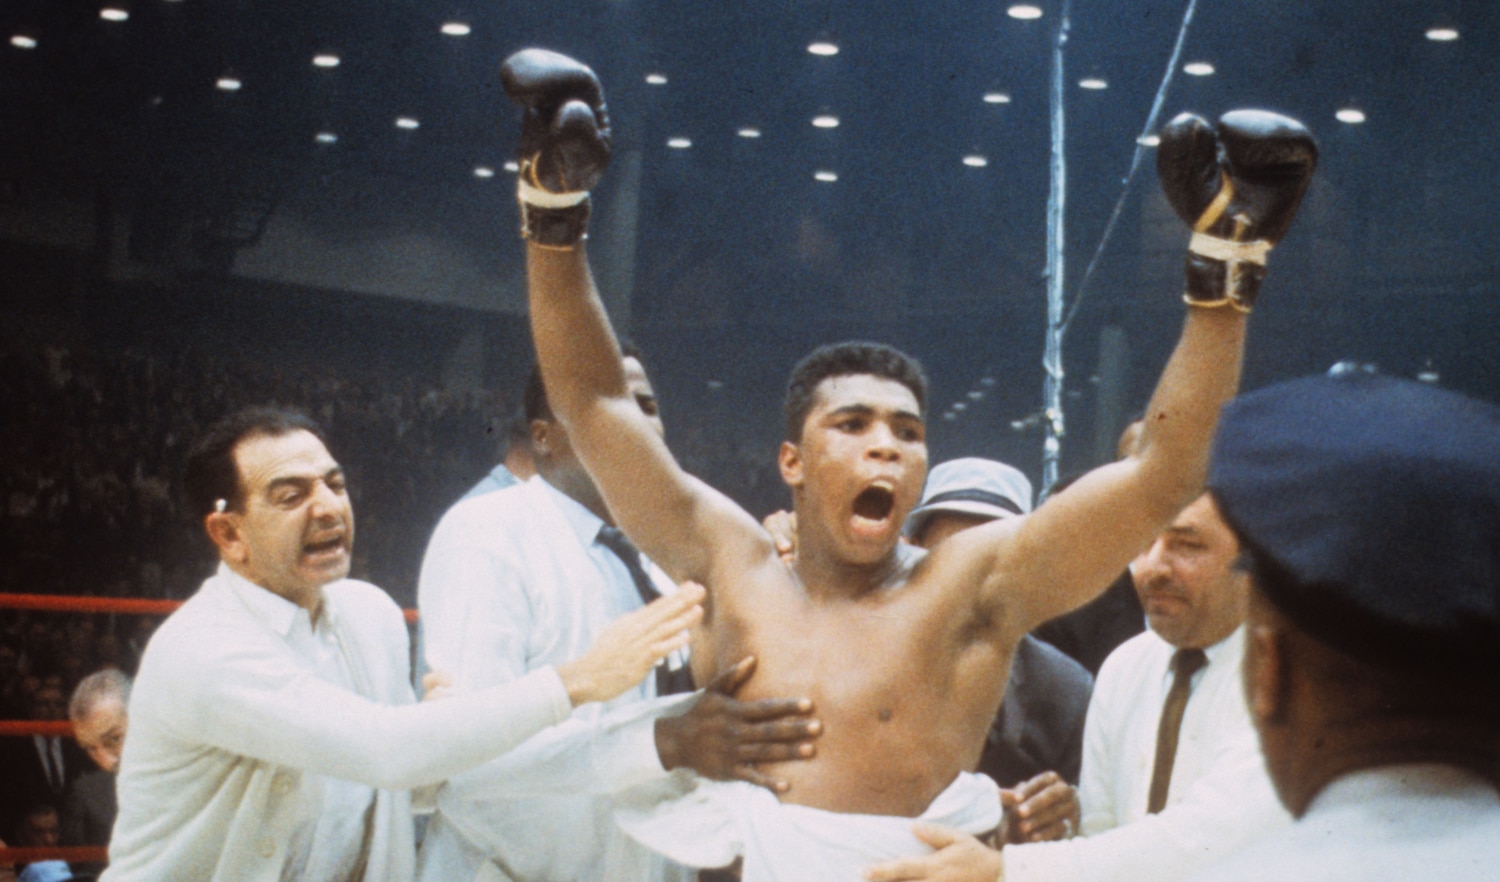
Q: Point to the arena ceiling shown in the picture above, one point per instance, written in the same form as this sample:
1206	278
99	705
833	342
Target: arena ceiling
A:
208	136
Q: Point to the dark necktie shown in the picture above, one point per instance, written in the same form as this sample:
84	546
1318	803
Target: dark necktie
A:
1184	664
668	681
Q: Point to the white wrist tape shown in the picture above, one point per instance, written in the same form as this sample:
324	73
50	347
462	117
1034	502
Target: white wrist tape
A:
1227	250
546	198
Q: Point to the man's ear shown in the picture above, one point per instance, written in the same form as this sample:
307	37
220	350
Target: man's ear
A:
224	529
789	459
1266	687
541	437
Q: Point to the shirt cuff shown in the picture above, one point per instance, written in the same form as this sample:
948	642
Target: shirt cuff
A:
549	681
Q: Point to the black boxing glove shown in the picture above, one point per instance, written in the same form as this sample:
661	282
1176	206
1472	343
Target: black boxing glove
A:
1238	185
564	143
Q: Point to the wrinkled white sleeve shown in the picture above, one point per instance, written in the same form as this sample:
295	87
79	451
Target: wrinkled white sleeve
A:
253	698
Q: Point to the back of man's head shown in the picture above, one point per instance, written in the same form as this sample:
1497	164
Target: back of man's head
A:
843	360
1369	509
211	472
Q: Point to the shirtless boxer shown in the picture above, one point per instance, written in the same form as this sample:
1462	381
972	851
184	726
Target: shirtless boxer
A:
904	653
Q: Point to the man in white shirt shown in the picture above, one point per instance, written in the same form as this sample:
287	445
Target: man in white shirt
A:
1167	787
1369	508
273	731
516	579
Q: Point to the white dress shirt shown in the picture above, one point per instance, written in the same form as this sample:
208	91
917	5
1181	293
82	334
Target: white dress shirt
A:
1220	796
235	735
1388	824
513	580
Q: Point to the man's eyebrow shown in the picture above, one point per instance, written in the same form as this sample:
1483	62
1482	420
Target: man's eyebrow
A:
1189	532
303	480
852	410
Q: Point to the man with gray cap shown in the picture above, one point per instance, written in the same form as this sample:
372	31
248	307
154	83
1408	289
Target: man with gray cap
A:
1036	740
1369	510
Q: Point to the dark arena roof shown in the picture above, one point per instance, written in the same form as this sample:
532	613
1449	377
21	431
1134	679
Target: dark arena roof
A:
205	201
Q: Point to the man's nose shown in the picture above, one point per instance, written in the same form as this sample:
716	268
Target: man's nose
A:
1150	564
882	443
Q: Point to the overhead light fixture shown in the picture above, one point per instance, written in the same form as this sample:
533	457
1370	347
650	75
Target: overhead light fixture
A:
679	143
114	13
825	48
825	176
974	160
656	79
949	415
1149	140
1024	11
1443	30
512	166
1350	115
748	132
826	121
483	171
959	406
996	97
975	394
1428	375
407	122
456	28
326	60
326	138
21	41
1198	69
228	84
1093	83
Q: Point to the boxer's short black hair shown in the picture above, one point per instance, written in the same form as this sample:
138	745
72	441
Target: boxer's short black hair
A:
842	360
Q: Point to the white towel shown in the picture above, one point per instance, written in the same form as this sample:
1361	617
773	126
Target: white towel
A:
710	823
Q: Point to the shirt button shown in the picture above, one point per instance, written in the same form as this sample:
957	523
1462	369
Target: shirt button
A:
267	847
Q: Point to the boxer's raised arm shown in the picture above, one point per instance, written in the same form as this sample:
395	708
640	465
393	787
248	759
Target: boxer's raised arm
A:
565	144
1238	184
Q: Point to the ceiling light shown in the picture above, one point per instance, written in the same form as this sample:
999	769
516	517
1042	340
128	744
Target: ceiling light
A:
21	41
512	166
1024	11
656	79
974	160
822	47
228	84
1428	375
1094	83
996	97
975	394
1148	140
949	415
679	143
326	138
114	13
826	177
455	28
749	132
483	171
1351	115
826	121
1198	69
959	406
987	381
325	59
1442	32
407	122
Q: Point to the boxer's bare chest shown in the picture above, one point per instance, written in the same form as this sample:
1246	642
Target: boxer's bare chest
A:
902	686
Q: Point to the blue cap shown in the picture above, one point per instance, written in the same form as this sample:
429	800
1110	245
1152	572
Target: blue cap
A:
46	871
1378	500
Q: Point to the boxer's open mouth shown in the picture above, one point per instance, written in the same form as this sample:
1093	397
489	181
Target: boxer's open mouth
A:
875	503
